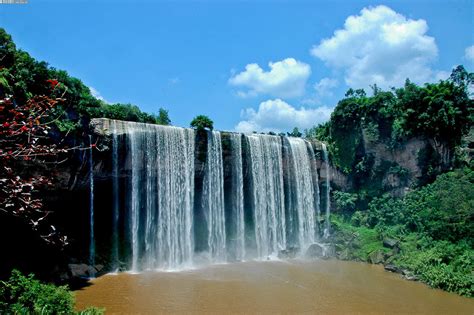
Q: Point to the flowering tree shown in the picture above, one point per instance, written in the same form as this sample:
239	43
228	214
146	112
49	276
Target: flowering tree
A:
24	141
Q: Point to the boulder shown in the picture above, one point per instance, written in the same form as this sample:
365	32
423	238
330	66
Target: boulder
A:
330	251
315	251
407	274
344	254
377	257
81	270
392	268
290	252
390	243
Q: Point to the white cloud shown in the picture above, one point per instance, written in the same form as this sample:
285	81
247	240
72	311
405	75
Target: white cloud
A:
325	85
380	46
96	94
469	53
286	78
277	115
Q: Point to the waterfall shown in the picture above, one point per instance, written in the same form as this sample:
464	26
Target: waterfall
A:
237	196
268	194
160	195
303	190
328	191
91	206
255	196
115	205
213	198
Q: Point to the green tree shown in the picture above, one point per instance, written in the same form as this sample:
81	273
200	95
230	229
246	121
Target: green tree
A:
202	122
22	77
295	133
163	117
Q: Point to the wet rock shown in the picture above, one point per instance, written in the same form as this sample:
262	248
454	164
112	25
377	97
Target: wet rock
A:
390	243
377	257
407	274
81	270
344	254
392	268
315	251
290	252
330	251
411	277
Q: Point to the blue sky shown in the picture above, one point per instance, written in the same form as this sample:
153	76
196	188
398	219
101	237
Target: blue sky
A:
249	65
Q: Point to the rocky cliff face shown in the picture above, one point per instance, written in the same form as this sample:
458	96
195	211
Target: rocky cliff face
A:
385	167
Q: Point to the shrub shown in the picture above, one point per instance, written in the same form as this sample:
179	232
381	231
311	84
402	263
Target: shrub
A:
26	295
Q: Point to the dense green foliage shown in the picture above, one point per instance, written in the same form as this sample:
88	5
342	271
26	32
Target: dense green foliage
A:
440	111
22	77
26	295
434	226
202	122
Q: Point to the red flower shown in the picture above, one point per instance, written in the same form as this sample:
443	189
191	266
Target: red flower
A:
6	124
93	145
24	128
53	82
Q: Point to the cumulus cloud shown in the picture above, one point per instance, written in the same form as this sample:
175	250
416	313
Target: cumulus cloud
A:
96	94
277	115
469	53
380	46
286	78
325	85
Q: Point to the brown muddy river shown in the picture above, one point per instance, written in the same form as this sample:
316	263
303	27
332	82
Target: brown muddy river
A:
318	287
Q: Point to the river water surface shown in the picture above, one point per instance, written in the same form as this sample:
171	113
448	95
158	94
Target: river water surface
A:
321	287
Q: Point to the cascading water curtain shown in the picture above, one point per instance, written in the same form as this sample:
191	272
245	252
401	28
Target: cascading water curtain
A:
238	220
91	206
302	188
155	200
268	194
213	198
159	196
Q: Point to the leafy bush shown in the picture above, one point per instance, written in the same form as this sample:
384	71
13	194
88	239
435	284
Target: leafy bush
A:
345	202
434	225
26	295
441	264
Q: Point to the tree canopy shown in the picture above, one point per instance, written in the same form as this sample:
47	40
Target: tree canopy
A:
202	122
22	77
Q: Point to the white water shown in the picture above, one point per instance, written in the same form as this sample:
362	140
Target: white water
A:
248	220
237	197
213	198
116	205
91	206
161	197
268	195
328	192
304	192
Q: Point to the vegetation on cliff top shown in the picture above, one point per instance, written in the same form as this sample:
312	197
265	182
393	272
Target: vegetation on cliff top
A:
440	111
22	77
202	122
